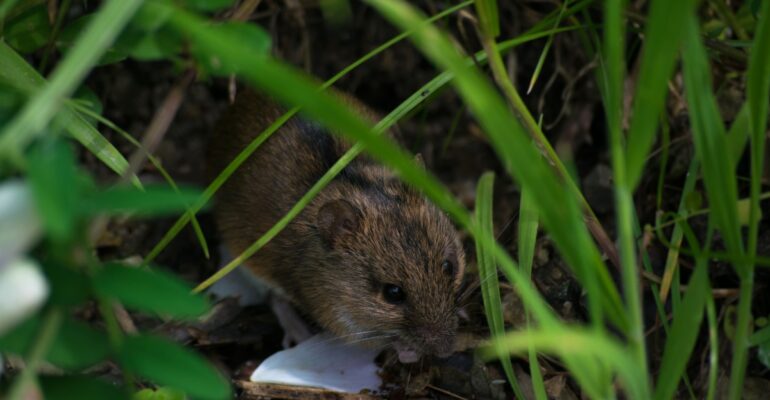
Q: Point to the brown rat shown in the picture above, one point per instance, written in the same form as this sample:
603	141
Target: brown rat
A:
369	259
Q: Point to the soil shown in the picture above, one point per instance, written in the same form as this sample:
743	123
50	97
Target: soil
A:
566	96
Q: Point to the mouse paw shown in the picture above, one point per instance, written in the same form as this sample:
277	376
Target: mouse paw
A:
294	327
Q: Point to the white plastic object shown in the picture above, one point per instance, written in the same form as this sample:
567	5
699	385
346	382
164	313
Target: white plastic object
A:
323	362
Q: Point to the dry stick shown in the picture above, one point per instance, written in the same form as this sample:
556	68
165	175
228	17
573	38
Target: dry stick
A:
244	10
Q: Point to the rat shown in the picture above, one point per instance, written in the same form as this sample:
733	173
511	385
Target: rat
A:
370	259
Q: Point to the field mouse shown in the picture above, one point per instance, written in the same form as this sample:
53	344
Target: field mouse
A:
370	259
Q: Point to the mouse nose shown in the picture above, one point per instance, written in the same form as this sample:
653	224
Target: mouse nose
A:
437	340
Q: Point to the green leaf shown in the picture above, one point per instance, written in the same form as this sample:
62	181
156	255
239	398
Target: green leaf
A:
78	346
150	291
52	175
68	286
79	387
683	333
154	200
761	336
253	40
29	30
170	364
18	340
208	5
159	394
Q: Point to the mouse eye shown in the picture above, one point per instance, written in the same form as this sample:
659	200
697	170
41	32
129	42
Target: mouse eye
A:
447	267
393	294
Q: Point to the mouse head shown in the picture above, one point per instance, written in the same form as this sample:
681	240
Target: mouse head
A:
398	265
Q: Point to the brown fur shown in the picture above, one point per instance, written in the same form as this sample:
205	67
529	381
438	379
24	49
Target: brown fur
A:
333	261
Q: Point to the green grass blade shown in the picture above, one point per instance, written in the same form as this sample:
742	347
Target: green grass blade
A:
490	286
15	71
663	37
544	53
624	205
560	211
710	139
575	341
91	44
488	17
528	224
684	332
758	89
739	135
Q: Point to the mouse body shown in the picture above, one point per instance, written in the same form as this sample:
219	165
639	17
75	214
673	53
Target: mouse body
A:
369	259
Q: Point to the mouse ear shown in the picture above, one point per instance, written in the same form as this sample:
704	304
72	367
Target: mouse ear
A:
336	220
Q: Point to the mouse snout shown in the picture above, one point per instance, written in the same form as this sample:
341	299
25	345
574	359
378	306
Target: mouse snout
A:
437	339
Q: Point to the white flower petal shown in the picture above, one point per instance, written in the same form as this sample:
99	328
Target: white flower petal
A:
20	224
23	289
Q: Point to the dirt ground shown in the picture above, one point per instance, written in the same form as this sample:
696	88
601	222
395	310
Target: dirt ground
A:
566	97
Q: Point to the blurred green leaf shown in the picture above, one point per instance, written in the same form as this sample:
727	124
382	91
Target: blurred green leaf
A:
159	394
253	40
761	336
170	364
52	175
68	287
17	340
78	346
150	291
156	46
488	17
208	5
79	387
153	200
29	30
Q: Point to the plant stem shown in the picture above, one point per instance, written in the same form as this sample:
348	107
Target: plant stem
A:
47	334
741	338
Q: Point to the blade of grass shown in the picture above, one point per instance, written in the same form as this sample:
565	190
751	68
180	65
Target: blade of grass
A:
528	223
544	53
758	88
43	106
684	332
488	17
574	341
490	287
614	34
15	71
663	35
